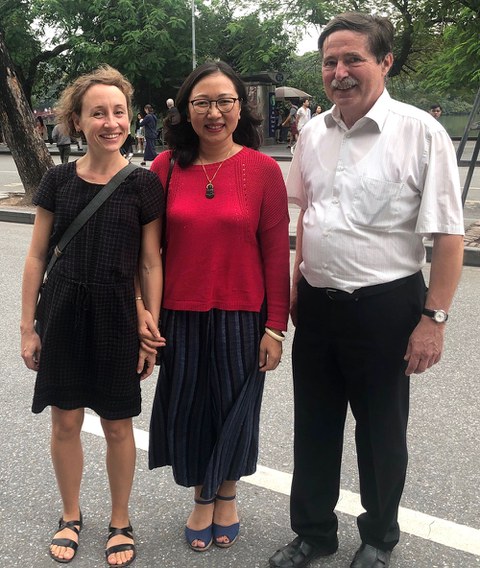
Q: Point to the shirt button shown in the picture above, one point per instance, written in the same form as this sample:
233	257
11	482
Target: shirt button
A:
335	201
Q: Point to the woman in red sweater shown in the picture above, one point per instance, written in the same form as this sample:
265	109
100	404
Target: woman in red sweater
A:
226	297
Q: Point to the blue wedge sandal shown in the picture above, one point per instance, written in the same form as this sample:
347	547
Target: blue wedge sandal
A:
231	532
205	535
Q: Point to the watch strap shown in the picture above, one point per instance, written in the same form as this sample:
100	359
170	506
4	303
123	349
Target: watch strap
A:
432	313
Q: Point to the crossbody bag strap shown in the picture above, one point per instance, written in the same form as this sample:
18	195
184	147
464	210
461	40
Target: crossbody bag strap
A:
87	212
165	193
169	177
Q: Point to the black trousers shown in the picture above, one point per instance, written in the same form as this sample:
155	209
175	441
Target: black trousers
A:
350	351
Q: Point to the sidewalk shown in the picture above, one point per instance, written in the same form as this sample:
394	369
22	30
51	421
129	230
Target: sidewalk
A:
282	154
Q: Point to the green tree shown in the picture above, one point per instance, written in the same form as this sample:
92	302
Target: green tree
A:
249	42
455	66
150	42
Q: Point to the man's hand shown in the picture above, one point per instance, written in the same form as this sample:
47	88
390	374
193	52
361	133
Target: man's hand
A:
425	346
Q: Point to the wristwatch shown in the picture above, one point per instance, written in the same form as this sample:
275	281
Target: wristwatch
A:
440	316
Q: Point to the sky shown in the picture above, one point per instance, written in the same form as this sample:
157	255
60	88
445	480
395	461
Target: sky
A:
309	41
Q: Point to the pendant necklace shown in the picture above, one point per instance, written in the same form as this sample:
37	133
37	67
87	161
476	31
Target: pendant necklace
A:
209	193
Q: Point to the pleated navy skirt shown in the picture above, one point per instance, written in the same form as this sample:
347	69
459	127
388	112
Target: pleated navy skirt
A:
206	411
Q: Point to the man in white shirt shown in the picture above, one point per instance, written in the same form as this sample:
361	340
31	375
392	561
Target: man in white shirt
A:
303	114
373	177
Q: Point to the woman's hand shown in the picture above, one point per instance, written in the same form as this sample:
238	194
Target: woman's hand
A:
146	362
150	341
270	353
148	332
31	347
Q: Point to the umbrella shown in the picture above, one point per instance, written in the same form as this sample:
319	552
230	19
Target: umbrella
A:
289	93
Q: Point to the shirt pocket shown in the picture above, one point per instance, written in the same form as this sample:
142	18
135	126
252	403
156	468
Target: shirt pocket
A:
376	204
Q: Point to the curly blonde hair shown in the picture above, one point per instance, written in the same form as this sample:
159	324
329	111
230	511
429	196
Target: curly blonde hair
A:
71	99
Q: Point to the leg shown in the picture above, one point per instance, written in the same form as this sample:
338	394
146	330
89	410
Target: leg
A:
121	455
379	397
200	520
320	409
67	458
225	515
66	156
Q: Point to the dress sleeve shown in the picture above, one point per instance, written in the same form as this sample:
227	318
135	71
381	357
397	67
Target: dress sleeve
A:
46	192
151	197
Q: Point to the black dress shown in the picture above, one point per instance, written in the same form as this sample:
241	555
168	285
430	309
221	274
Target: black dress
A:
89	334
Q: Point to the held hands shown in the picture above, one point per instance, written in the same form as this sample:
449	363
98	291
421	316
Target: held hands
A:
425	346
31	348
270	353
150	341
146	362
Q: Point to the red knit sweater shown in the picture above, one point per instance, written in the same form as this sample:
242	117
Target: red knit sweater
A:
230	252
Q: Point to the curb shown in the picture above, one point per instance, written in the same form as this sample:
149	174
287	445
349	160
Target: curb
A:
16	216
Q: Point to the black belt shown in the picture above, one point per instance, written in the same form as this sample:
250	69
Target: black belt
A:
342	296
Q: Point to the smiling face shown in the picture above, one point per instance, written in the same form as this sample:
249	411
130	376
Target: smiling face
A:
352	77
104	118
214	128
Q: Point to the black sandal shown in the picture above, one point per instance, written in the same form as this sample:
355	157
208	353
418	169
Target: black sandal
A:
66	542
126	531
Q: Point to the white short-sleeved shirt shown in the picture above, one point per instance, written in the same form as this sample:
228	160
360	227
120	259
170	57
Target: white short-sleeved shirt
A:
303	115
372	193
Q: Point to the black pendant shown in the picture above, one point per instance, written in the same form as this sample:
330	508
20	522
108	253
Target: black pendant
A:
209	193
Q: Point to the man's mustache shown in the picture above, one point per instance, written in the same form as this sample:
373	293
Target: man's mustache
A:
343	84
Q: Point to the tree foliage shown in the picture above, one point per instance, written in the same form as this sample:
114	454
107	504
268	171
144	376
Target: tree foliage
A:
249	42
455	65
150	41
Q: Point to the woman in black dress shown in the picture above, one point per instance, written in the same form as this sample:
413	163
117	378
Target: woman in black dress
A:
89	355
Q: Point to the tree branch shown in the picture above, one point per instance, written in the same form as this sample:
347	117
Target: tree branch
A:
40	58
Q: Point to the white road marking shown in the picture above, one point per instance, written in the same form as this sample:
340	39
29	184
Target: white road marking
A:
447	533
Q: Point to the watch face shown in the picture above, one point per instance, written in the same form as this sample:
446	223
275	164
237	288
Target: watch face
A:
440	316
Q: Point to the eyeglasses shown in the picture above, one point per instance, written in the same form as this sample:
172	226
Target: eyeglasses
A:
224	105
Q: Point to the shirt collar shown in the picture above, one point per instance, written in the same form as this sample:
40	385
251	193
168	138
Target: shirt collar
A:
377	114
